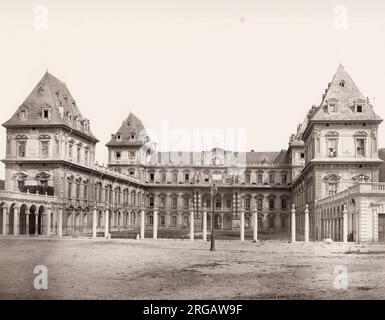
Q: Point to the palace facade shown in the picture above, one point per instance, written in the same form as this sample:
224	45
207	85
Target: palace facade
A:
325	185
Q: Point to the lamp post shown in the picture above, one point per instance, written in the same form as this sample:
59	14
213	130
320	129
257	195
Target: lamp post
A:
214	191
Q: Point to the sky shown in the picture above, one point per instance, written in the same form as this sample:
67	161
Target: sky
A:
253	68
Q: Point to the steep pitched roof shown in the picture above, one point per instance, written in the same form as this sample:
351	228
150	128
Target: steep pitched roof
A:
205	157
344	93
53	93
132	125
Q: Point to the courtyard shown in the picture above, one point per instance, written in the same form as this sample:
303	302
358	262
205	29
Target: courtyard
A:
83	268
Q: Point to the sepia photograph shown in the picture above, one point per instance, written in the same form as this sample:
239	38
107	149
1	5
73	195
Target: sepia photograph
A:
211	152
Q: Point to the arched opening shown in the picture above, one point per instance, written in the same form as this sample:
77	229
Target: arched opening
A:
100	218
2	206
32	221
11	219
23	220
40	220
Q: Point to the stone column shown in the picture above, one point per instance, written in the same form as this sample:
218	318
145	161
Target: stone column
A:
15	220
128	222
94	222
4	221
155	224
293	229
48	222
60	222
307	223
27	223
142	223
255	227
222	215
191	222
242	214
106	222
204	222
345	224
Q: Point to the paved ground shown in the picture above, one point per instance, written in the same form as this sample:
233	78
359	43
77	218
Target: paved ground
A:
171	269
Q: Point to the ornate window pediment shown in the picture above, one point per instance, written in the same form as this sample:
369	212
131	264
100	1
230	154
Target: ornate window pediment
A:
361	134
332	134
20	175
21	137
44	137
332	178
360	178
42	175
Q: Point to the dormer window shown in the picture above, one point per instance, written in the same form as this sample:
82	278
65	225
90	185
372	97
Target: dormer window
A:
359	108
132	136
46	112
332	108
118	138
118	155
342	83
23	114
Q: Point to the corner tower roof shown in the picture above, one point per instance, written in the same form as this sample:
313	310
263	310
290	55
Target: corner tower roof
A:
52	93
344	93
131	132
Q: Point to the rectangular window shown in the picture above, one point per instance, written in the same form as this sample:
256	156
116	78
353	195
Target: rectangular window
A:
228	204
162	202
359	108
259	204
132	154
152	175
86	157
70	151
118	155
271	204
283	204
21	149
260	177
44	149
218	204
360	147
247	178
20	185
272	178
332	188
186	203
45	114
173	220
284	178
78	155
163	178
70	190
332	148
151	202
174	202
247	204
186	177
272	222
175	177
162	220
332	108
207	178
